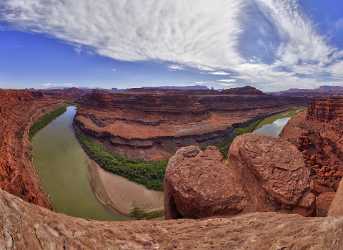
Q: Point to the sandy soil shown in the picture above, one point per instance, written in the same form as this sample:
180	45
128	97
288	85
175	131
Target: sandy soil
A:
121	195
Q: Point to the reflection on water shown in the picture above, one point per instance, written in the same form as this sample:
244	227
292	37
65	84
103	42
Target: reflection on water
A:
62	167
274	129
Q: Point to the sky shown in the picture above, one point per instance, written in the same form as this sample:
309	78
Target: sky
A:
269	44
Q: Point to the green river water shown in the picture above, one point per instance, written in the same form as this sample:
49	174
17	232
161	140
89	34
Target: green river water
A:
62	167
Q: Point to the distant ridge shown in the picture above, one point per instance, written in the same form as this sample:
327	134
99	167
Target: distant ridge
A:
246	90
165	88
322	90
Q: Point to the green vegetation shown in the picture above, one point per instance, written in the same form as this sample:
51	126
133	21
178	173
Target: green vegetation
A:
45	120
140	214
271	119
225	145
147	173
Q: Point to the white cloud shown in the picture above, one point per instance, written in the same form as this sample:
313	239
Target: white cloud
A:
226	80
201	34
175	67
219	73
59	85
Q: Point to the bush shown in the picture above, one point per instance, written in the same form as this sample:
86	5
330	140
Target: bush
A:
45	120
148	173
140	214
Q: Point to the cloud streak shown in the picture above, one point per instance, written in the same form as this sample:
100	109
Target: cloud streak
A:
202	34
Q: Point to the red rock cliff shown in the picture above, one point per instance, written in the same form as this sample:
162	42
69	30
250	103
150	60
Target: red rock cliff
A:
153	126
18	110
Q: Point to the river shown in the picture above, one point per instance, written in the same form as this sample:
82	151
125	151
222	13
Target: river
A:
68	175
62	166
273	129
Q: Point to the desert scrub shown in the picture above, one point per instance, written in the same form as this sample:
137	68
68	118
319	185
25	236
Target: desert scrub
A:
140	214
148	173
271	119
45	120
251	127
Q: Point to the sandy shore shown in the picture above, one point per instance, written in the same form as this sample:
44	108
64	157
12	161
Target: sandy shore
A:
121	195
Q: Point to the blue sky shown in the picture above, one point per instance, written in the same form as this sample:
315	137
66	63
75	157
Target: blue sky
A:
269	44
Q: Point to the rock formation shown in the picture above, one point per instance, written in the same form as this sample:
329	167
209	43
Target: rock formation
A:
276	180
262	174
318	135
18	110
152	126
336	207
26	226
199	184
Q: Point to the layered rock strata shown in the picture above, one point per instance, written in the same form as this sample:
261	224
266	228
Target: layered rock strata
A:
152	126
318	134
18	111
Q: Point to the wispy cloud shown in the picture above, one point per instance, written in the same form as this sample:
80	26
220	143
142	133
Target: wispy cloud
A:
216	36
175	67
58	85
219	73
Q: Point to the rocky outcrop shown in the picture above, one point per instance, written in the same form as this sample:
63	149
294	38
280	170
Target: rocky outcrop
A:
273	174
318	134
326	110
18	110
199	184
262	174
336	206
247	90
26	226
323	203
152	126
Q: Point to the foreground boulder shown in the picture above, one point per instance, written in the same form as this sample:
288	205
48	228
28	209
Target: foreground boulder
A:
262	174
199	184
26	226
273	174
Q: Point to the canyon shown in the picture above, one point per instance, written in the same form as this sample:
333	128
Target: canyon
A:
18	111
152	126
251	197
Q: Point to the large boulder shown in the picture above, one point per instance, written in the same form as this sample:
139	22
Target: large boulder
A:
200	184
262	174
273	174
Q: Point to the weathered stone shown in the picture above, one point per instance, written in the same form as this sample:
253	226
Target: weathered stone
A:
18	110
152	125
336	208
199	184
272	172
323	203
25	226
317	134
263	174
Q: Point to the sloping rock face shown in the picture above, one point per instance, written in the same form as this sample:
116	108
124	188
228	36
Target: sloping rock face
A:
26	226
18	110
262	174
318	135
152	126
273	174
336	207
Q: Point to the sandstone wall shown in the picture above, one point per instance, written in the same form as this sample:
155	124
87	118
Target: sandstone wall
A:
18	111
152	126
